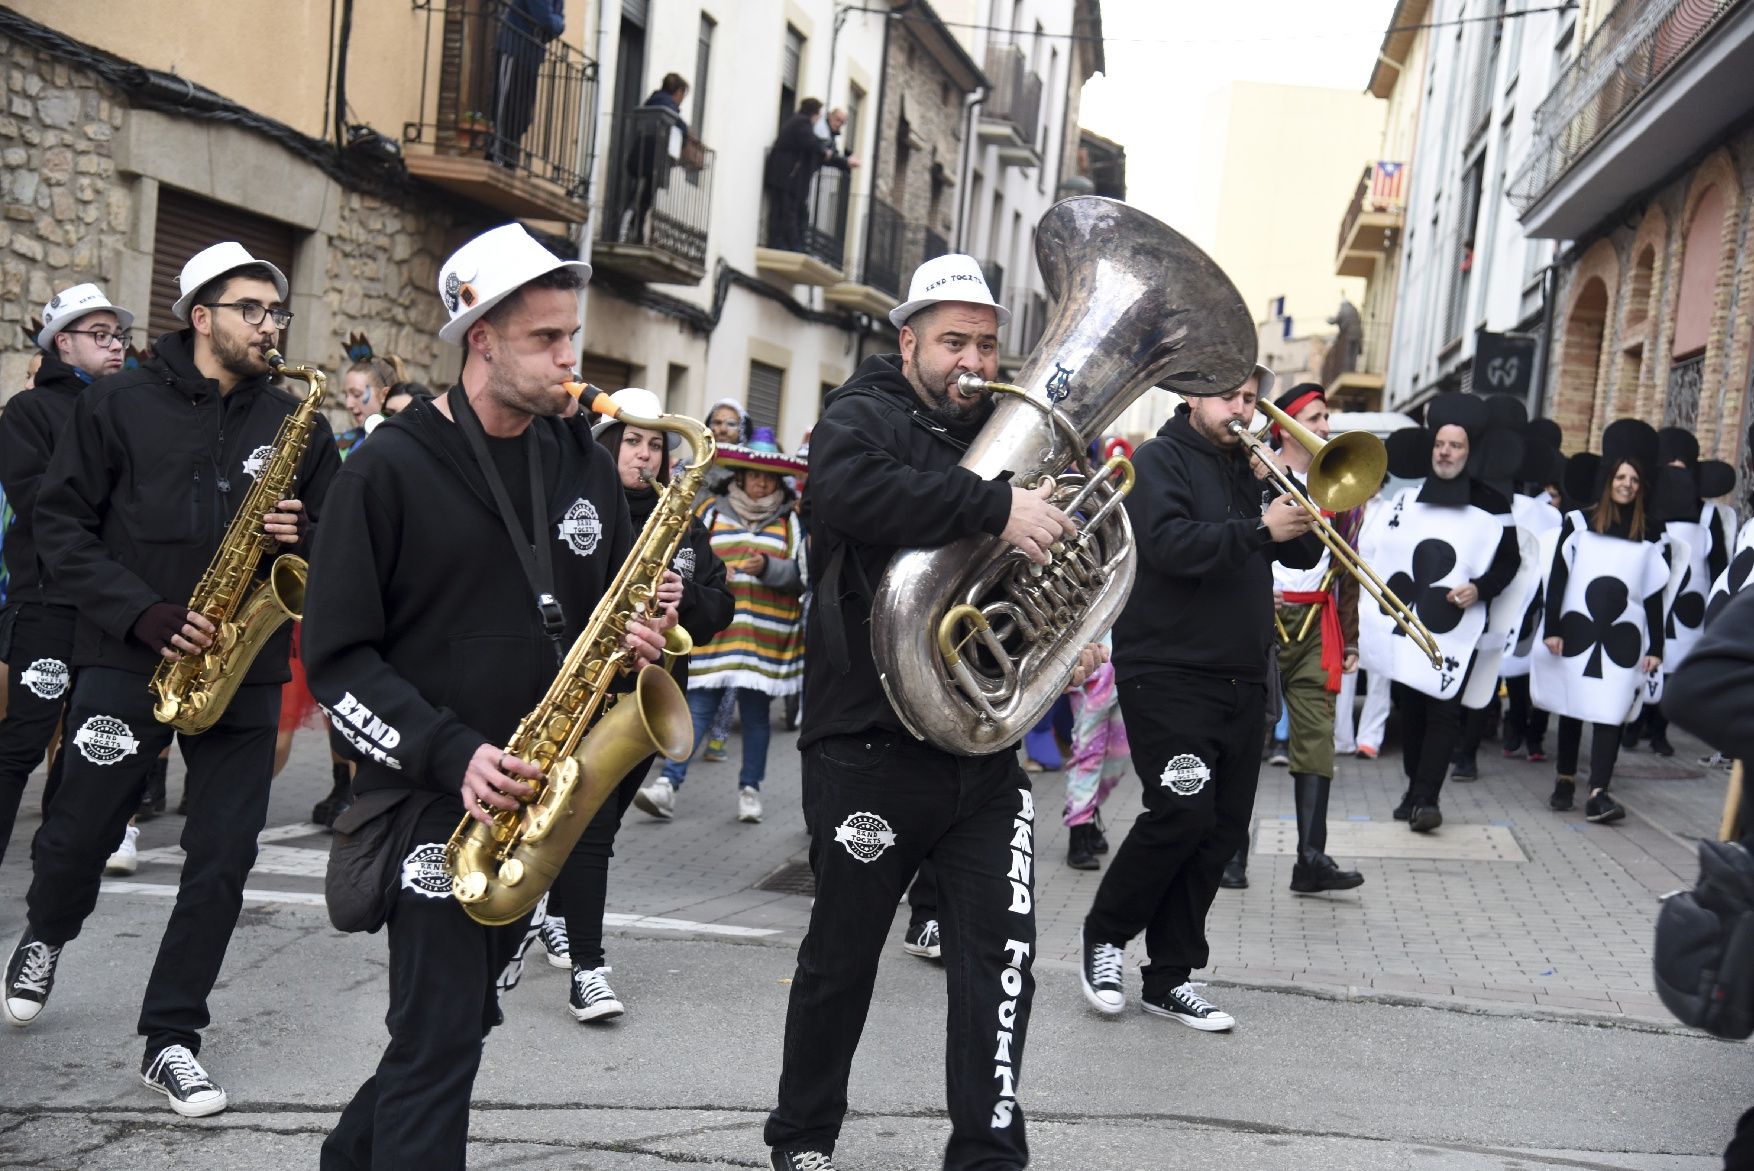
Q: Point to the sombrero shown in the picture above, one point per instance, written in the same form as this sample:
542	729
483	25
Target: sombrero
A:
760	454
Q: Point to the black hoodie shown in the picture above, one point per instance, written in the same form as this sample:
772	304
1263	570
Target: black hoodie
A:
140	490
1203	600
707	606
422	638
883	477
29	429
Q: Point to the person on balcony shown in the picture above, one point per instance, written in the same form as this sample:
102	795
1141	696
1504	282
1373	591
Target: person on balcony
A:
525	27
792	162
654	143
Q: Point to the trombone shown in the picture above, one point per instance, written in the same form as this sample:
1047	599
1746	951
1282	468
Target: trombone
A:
1344	472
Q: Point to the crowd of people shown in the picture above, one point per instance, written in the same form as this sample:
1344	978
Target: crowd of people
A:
1573	587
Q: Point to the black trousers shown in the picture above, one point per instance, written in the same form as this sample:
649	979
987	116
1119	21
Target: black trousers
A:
1430	729
446	974
1196	743
883	804
922	894
581	890
112	742
1604	750
1522	719
39	677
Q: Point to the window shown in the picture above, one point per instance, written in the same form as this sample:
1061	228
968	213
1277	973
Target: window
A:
849	134
187	224
791	67
703	60
766	389
1461	275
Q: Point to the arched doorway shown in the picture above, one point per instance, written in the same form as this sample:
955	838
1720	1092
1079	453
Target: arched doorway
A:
1580	360
1695	303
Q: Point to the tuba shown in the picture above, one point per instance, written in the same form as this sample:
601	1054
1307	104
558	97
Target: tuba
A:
191	693
972	641
500	871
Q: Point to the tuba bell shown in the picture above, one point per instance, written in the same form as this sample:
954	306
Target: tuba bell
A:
972	641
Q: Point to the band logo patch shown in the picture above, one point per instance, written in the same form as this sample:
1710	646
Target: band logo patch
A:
105	740
257	461
424	873
865	835
581	528
683	564
1185	775
46	678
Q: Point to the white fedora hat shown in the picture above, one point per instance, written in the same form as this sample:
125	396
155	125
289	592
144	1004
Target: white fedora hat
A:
212	263
69	305
635	400
489	268
954	277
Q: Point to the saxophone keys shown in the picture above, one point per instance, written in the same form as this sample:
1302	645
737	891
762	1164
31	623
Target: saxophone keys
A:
470	887
511	873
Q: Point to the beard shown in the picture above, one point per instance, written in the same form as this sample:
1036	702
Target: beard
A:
240	358
942	407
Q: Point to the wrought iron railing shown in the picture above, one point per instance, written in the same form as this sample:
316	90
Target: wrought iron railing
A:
1636	43
885	249
819	227
660	181
508	92
1015	96
1364	200
1365	352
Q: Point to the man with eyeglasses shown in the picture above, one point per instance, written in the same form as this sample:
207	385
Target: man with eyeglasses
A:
146	477
83	338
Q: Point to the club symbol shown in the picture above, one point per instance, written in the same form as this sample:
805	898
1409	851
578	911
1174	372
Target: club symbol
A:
1734	580
1689	608
1601	630
1432	559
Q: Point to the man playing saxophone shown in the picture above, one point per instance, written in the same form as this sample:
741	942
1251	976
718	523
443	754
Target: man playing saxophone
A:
468	544
878	802
135	502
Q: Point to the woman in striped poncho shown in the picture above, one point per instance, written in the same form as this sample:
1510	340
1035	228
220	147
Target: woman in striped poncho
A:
760	655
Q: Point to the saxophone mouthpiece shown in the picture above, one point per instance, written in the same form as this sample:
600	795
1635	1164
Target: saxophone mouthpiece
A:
580	390
273	358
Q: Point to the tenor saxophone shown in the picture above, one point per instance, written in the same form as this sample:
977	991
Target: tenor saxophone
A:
193	691
500	871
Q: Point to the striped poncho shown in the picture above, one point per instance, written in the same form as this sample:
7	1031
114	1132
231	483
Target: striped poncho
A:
763	647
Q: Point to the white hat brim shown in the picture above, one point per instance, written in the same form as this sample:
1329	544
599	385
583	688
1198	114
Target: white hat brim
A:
180	309
454	330
898	316
47	335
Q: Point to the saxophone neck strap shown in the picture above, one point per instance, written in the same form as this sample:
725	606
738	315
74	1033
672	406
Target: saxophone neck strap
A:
533	550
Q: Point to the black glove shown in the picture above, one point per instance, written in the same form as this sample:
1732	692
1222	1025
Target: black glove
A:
158	624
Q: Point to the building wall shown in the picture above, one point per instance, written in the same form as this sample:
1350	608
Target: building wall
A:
915	84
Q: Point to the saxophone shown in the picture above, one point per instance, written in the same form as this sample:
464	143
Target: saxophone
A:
193	692
500	871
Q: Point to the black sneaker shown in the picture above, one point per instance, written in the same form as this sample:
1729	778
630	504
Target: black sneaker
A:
922	939
1191	1009
1424	819
1404	810
555	941
1081	848
800	1160
1563	792
1100	971
174	1072
1603	808
1279	753
591	998
30	973
1464	768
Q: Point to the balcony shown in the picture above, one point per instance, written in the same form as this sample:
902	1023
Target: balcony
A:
893	249
1372	225
1355	368
1012	110
1658	82
807	245
511	118
660	191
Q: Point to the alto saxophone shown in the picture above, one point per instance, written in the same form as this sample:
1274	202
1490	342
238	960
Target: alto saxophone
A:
193	691
500	871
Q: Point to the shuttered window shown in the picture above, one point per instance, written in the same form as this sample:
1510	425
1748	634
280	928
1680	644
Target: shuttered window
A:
766	386
607	373
186	224
791	63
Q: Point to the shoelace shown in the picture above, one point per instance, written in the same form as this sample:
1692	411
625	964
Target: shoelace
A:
591	984
39	967
554	936
1105	965
1194	1000
183	1068
811	1161
929	934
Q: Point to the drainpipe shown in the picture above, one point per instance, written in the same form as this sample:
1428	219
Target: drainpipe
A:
971	104
588	140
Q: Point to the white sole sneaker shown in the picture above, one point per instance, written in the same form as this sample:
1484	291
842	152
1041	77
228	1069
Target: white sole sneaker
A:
1217	1022
603	1010
200	1109
1106	1001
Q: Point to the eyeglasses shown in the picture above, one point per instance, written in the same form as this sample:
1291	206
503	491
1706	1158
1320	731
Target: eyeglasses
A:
253	312
102	337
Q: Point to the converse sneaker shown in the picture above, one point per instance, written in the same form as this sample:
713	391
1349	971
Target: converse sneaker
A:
1563	790
657	799
126	859
922	939
800	1160
591	998
29	976
554	939
174	1072
1191	1009
1100	973
749	804
1602	808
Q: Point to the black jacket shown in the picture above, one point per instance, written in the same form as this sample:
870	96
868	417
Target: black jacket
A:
1712	692
707	605
1203	600
142	486
29	429
883	477
422	638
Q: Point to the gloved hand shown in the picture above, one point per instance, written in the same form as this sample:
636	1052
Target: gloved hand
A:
158	624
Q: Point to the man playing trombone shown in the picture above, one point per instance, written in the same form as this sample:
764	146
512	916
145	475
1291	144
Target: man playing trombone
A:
1190	659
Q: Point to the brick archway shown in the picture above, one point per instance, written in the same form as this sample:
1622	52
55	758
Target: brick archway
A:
1580	400
1705	268
1637	353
